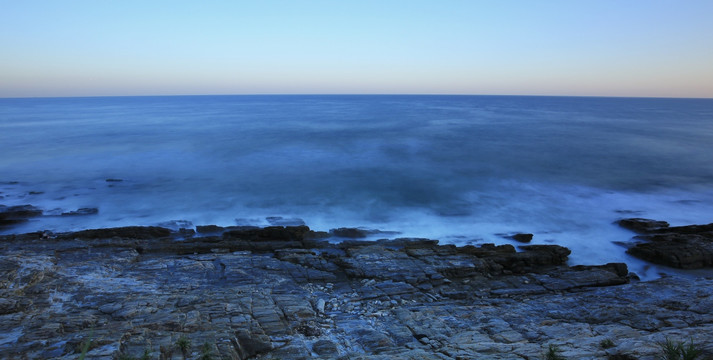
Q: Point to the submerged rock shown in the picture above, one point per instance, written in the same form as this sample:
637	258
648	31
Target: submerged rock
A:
81	212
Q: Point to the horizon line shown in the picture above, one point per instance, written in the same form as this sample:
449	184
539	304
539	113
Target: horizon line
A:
351	94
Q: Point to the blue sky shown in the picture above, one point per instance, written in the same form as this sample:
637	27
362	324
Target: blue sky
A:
581	47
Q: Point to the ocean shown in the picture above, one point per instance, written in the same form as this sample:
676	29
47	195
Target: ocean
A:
461	169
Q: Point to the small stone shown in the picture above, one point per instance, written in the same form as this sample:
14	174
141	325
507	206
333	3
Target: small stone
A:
320	306
523	238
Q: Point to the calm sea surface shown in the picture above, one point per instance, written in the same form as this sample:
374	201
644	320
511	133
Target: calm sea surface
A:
462	169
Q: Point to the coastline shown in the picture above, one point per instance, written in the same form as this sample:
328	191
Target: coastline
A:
285	292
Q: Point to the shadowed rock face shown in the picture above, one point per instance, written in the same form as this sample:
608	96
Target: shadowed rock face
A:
685	247
280	292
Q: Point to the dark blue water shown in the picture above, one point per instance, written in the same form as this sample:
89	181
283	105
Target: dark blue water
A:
459	168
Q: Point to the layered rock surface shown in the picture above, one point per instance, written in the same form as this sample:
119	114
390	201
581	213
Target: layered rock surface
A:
684	247
282	293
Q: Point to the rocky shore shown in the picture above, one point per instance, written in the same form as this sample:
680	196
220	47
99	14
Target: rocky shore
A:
287	292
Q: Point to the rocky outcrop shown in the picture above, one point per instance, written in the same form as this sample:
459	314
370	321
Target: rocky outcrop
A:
129	232
12	215
685	247
282	293
643	226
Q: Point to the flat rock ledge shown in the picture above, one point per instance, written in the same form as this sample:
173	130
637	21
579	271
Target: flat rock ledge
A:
683	247
283	293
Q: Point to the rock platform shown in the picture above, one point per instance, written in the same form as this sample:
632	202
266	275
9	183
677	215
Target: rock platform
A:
283	292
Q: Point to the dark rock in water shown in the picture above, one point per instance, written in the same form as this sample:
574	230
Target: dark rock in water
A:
268	233
280	221
19	211
81	211
11	215
209	229
533	257
488	250
35	192
111	180
410	243
523	238
128	232
352	233
683	251
358	233
685	247
641	225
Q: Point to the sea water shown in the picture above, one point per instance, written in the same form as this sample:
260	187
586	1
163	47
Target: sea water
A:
461	169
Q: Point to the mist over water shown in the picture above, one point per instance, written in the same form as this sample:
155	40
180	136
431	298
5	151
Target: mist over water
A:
462	169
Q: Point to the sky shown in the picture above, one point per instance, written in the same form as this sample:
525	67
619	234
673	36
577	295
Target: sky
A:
499	47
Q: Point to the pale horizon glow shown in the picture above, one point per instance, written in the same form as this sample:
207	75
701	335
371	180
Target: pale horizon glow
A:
635	48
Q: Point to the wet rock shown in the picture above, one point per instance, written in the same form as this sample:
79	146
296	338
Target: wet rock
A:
676	250
523	238
209	229
113	180
128	232
11	215
641	225
81	212
352	233
532	258
359	233
279	233
176	224
280	221
685	247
